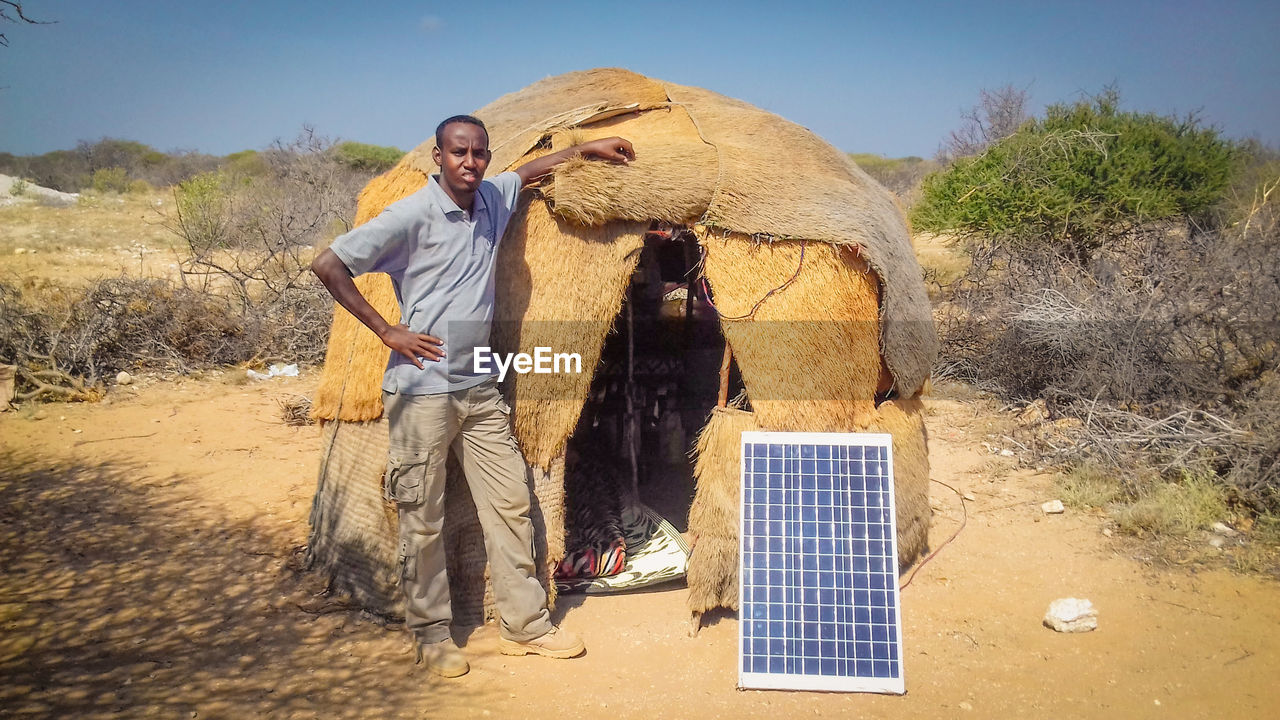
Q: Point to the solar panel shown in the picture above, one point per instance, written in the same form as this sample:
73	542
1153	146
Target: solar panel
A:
817	587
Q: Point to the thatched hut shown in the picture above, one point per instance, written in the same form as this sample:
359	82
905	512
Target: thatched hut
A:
801	297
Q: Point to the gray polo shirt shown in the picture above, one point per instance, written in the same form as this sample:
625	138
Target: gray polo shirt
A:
441	262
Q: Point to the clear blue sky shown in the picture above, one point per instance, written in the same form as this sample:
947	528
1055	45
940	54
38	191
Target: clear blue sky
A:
225	76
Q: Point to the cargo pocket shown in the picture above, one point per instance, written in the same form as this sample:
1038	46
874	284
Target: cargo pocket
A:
407	476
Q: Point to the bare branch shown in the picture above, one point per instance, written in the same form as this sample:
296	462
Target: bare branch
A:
12	11
998	114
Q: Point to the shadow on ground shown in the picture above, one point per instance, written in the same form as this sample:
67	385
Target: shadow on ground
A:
122	595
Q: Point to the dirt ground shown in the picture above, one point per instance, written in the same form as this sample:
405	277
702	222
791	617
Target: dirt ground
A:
145	545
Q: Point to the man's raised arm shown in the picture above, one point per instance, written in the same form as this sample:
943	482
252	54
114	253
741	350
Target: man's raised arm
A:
614	150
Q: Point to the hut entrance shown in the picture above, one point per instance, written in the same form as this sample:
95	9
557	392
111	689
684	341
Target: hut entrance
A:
657	382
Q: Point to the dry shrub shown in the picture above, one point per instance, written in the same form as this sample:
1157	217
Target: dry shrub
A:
1162	346
253	235
67	342
295	410
245	296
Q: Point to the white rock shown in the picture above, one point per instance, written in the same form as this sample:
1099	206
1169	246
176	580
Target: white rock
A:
124	378
1006	452
1071	615
1217	541
1053	507
1225	530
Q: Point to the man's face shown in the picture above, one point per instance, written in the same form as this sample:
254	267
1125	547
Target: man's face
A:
463	157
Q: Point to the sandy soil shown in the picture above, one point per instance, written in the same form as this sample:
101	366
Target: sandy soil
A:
145	544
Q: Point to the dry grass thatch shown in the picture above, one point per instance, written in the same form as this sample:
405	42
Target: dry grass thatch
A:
903	419
672	178
713	518
809	353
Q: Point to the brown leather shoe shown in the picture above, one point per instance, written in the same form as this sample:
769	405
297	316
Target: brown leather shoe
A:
442	658
556	643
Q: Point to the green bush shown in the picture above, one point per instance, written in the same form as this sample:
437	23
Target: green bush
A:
246	163
203	209
370	158
110	180
1084	173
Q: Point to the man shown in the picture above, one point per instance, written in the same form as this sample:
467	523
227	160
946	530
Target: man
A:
439	246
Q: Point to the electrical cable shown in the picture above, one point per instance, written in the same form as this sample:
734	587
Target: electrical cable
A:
964	520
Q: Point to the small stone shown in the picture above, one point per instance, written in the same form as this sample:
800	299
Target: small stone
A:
1006	452
1217	541
1225	530
969	496
1107	532
966	706
1053	507
19	251
124	378
1071	615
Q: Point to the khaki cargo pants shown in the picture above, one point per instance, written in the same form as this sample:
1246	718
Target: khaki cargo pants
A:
476	423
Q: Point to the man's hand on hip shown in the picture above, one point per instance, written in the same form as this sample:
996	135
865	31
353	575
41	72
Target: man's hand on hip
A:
415	346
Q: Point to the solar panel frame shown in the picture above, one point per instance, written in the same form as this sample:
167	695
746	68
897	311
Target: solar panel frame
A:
828	618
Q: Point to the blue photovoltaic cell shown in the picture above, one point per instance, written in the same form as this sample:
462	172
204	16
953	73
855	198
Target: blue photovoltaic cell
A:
818	575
